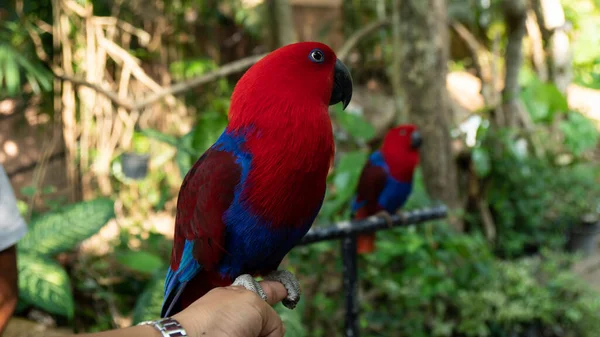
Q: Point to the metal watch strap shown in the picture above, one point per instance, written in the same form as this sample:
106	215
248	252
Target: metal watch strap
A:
168	327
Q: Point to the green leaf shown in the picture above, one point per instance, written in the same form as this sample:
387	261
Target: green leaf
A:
481	161
543	100
354	124
149	304
44	284
345	179
61	230
207	131
580	133
140	261
292	319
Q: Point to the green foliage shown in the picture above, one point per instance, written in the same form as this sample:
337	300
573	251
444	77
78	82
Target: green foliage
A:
586	46
345	179
17	63
45	284
522	190
543	100
292	319
139	261
579	132
61	230
149	304
191	145
353	124
446	284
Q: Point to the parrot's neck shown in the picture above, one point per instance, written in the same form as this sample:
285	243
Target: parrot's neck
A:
401	164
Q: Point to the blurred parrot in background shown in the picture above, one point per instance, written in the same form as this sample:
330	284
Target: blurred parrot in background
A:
255	193
386	180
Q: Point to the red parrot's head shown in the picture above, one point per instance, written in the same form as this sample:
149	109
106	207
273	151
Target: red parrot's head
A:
299	79
400	150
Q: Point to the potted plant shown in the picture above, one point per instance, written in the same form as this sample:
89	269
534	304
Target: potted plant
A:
135	161
579	204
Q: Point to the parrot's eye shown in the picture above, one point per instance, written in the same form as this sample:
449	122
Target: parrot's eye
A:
316	55
402	132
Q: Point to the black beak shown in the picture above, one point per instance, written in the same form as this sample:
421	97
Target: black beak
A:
415	140
342	85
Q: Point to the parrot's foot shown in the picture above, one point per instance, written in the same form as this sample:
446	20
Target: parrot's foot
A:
388	218
248	282
291	284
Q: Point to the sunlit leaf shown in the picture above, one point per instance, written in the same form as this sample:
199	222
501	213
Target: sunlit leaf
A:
139	261
148	305
61	230
44	284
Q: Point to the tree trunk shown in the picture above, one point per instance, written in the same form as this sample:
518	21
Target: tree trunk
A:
282	30
401	112
424	56
515	16
551	19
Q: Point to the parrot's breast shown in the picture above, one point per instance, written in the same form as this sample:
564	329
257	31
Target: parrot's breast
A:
257	239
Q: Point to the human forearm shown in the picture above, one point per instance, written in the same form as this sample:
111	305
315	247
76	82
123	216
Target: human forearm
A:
134	331
8	285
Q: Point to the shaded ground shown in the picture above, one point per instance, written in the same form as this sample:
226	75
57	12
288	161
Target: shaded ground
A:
19	327
589	269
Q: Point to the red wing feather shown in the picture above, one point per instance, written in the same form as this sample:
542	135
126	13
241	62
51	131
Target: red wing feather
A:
370	186
206	193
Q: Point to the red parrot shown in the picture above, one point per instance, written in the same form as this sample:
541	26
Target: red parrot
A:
256	191
386	180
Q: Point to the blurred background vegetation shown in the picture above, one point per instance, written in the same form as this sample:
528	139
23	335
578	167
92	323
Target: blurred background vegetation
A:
105	105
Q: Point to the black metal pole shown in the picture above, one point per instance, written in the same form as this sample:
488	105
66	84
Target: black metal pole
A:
350	273
347	231
372	224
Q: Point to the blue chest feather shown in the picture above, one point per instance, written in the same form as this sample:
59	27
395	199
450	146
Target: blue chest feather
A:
252	244
394	194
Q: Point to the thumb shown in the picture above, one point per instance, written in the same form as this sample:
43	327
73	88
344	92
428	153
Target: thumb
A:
272	326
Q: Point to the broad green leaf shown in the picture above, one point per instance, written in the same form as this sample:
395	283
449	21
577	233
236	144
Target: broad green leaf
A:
140	261
44	284
354	124
345	179
149	304
61	230
543	100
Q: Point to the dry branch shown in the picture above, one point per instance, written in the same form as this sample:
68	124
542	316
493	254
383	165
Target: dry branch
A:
225	70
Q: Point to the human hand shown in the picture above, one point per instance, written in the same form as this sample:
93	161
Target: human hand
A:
235	312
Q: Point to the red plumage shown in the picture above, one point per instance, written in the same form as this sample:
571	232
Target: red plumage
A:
256	191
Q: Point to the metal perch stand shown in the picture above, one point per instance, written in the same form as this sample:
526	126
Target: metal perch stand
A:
347	231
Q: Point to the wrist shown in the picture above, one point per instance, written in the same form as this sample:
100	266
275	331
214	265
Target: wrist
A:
189	322
167	327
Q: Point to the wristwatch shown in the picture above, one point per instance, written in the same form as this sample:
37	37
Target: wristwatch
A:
168	327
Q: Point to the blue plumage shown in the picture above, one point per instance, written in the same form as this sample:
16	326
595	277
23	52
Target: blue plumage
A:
251	244
393	193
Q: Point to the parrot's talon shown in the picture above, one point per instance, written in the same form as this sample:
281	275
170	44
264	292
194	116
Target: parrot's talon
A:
248	282
291	284
387	217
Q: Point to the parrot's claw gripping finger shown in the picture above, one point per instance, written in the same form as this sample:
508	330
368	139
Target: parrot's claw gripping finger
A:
387	217
290	283
248	282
